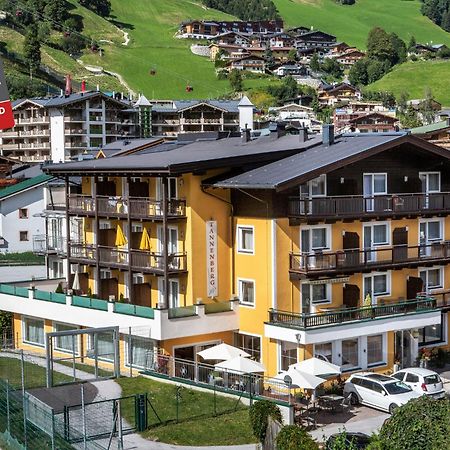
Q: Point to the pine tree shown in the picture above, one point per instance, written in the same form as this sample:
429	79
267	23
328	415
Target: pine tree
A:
412	43
32	49
235	79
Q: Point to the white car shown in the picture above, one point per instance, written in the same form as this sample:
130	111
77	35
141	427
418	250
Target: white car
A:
378	391
423	381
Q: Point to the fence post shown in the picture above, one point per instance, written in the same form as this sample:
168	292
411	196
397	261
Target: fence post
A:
83	409
53	430
8	419
95	355
130	351
73	359
119	419
66	423
22	364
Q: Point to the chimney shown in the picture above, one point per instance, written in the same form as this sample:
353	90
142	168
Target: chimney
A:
245	134
328	134
281	129
303	134
68	89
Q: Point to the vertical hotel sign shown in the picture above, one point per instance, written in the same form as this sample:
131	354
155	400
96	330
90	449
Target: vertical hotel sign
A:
211	258
6	114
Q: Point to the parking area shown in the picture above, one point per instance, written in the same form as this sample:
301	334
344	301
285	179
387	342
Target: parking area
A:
358	418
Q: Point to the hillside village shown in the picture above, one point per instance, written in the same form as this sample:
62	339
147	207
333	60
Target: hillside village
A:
262	268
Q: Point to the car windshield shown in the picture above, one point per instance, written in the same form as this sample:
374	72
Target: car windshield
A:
432	379
397	388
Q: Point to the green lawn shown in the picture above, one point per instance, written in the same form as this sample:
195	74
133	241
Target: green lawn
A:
352	23
414	77
86	368
21	258
10	369
197	425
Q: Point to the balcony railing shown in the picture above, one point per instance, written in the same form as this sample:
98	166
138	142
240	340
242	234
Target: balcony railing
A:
82	251
353	260
145	207
357	205
43	244
155	261
118	206
81	204
340	316
140	260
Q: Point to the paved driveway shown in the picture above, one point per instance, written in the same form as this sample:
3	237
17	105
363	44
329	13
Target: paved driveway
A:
359	418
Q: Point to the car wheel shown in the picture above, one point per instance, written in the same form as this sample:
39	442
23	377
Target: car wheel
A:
392	408
354	399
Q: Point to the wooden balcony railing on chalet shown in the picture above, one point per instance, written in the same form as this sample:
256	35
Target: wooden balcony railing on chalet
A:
338	207
340	316
140	260
345	261
118	206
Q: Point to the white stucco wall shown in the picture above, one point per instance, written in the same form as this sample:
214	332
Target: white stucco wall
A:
57	144
11	225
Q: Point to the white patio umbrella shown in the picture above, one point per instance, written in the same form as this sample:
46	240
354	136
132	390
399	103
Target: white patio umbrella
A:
222	352
241	364
76	282
318	367
297	379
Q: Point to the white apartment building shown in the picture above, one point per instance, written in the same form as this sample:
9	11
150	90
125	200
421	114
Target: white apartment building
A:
58	128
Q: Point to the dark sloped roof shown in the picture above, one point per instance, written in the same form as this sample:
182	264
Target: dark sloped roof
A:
195	156
319	159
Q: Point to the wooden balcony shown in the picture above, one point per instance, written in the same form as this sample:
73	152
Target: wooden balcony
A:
114	206
142	261
346	315
380	258
360	207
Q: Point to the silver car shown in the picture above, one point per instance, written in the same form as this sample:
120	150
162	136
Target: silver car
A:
378	391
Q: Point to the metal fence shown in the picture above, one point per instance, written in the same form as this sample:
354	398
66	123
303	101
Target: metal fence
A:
252	386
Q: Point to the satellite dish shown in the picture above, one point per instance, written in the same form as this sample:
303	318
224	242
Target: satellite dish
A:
288	379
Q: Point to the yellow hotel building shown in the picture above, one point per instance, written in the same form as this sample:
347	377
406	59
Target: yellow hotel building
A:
288	247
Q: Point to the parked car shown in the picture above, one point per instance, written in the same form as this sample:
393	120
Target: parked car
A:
423	381
353	440
378	391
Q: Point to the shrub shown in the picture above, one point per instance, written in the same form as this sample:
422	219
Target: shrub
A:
422	423
59	289
292	437
259	417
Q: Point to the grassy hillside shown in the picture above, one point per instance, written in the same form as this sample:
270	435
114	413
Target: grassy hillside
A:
151	26
352	23
414	77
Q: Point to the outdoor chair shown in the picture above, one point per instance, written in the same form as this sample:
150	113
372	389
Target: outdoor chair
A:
346	403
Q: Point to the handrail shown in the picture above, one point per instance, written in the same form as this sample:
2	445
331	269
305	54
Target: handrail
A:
312	320
346	259
349	205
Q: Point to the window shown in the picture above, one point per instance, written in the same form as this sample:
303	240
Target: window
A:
247	292
314	239
245	240
316	293
105	274
23	236
314	188
375	350
324	351
105	345
250	344
430	231
433	334
33	331
376	234
411	378
376	285
288	354
431	181
65	343
174	290
432	278
23	213
142	352
350	354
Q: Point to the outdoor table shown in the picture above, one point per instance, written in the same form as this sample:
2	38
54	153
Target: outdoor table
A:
330	401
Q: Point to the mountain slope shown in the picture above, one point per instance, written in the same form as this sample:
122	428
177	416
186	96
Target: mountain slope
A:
352	23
